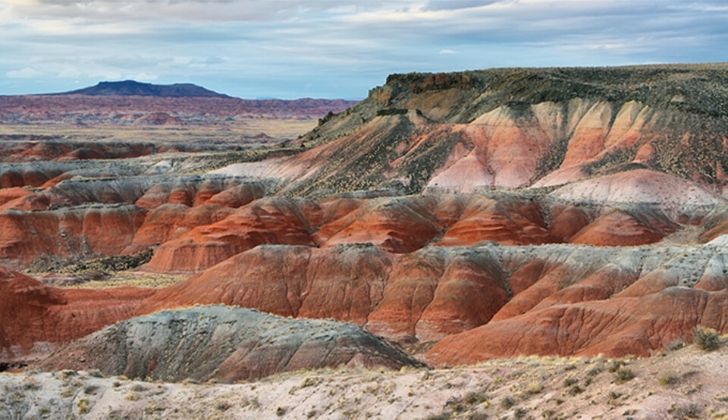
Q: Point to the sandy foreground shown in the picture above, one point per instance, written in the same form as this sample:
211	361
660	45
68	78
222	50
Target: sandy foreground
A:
683	383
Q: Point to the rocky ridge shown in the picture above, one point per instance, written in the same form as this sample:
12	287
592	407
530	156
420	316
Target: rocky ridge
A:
223	343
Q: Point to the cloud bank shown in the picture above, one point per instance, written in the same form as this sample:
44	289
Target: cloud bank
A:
330	48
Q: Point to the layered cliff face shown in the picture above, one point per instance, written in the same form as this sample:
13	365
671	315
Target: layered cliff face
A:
513	128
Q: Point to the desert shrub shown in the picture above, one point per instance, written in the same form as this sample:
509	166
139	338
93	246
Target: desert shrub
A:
222	405
310	381
508	402
534	387
475	397
281	411
612	397
596	370
31	385
575	390
676	344
687	411
706	338
520	413
615	365
455	404
624	374
83	407
570	381
668	379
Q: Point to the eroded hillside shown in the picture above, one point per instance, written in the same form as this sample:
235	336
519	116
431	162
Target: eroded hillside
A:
515	128
455	217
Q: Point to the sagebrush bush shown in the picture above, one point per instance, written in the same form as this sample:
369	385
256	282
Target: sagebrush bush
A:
623	374
669	379
706	338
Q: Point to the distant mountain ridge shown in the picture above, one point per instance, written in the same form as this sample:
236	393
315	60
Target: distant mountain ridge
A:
134	88
129	102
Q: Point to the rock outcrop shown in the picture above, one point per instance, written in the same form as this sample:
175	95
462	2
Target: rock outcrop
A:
223	343
511	128
34	318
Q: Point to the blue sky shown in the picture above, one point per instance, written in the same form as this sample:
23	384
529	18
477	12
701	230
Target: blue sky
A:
327	48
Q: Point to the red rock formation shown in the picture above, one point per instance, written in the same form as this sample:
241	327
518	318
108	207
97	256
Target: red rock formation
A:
169	221
618	228
200	222
426	295
266	221
507	223
403	225
67	232
614	327
436	292
34	315
430	296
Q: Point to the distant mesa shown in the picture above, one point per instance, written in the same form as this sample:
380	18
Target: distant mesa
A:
134	88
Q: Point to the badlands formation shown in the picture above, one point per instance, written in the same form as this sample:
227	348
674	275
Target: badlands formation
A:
457	222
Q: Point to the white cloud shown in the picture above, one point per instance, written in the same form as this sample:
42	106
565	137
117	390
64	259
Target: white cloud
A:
24	73
143	77
327	48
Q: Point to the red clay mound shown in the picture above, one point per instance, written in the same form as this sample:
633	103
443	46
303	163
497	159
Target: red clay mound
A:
427	294
33	316
509	223
105	230
615	327
617	228
266	221
199	222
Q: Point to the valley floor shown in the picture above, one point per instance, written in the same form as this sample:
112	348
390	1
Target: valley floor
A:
683	383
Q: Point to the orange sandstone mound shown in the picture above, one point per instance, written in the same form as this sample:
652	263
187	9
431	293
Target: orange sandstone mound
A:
34	317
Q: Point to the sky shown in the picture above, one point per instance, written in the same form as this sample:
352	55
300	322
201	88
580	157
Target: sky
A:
336	49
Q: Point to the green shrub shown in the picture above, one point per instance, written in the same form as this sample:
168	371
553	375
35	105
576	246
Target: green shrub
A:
675	345
706	338
623	375
669	379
